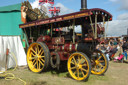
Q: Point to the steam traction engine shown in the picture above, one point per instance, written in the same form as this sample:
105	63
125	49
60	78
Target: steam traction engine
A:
56	42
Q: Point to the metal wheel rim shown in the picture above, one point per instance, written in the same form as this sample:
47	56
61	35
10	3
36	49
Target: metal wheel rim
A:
80	70
36	57
100	64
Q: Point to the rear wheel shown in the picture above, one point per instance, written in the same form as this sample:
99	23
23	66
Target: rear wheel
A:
79	66
99	63
38	57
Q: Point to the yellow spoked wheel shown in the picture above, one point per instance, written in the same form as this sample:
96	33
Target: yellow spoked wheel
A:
99	63
79	66
38	57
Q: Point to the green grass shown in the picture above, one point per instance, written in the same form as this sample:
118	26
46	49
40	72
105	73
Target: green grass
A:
114	76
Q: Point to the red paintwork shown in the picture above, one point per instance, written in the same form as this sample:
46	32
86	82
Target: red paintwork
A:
63	56
59	45
88	39
44	38
58	40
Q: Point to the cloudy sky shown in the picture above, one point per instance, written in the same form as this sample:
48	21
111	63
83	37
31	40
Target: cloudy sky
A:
118	8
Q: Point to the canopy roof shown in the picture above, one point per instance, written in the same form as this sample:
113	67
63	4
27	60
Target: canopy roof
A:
67	20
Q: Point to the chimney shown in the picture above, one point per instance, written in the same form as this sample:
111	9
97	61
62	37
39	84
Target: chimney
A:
83	5
127	31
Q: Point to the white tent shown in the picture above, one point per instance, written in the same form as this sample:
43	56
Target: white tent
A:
13	43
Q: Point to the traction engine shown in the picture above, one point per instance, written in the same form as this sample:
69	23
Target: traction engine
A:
56	43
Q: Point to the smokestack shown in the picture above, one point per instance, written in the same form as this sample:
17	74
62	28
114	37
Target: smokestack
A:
127	31
83	4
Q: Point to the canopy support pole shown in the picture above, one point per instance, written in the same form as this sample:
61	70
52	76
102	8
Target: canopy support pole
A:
91	25
107	27
73	26
104	27
51	29
31	37
96	26
26	37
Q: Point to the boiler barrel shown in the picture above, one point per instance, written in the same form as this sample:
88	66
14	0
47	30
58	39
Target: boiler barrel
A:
85	48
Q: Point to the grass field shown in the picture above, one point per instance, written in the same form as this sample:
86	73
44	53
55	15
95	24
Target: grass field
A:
117	74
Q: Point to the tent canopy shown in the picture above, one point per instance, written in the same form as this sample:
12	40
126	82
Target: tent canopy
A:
10	18
10	8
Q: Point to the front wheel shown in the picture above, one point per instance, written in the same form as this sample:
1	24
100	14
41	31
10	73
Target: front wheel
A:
38	57
79	66
99	63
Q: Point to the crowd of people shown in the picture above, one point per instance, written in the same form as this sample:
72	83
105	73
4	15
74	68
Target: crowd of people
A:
115	49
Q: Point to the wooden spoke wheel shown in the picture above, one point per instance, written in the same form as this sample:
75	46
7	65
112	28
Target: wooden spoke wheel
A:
99	63
79	66
38	57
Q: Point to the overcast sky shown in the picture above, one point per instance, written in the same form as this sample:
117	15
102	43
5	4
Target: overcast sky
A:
118	8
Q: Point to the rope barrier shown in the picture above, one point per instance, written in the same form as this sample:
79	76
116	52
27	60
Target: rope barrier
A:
11	76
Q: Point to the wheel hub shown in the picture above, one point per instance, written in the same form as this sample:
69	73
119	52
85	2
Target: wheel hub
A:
36	57
97	62
78	66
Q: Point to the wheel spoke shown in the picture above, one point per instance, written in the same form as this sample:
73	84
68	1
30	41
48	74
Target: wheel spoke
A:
95	67
74	60
42	56
72	63
41	51
84	65
42	60
73	68
41	63
100	69
37	49
99	58
101	65
101	61
31	58
33	50
33	54
37	64
84	69
75	73
79	59
78	73
34	64
82	72
33	61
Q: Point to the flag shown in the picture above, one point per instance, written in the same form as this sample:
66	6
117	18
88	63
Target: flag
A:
51	2
54	9
46	1
58	9
42	2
